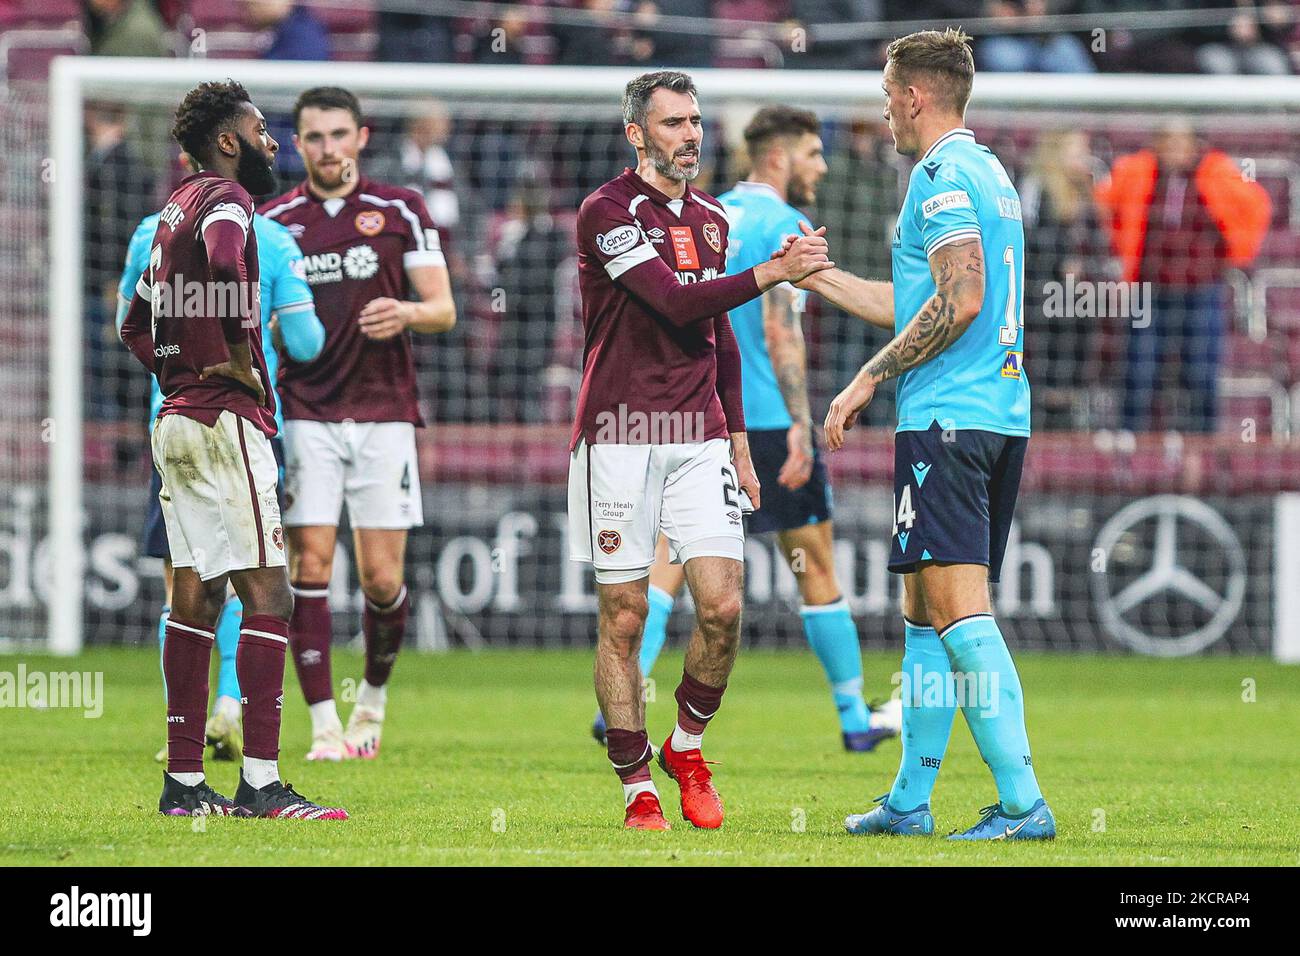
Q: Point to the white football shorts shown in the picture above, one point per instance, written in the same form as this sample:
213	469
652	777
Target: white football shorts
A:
218	494
370	465
622	496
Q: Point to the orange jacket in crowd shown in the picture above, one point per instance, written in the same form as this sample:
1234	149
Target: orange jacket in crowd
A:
1239	207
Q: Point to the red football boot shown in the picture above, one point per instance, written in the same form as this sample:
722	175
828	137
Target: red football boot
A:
644	813
701	804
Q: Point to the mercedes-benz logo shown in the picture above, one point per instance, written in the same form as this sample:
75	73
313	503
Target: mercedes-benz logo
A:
1168	576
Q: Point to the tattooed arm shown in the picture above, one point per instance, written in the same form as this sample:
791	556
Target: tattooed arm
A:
783	334
868	299
958	271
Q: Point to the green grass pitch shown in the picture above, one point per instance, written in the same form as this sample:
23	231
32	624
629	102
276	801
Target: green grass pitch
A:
486	760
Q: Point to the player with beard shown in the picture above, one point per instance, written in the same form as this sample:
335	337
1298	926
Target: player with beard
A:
786	163
350	415
659	441
212	448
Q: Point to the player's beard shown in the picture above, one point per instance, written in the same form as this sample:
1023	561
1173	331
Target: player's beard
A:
254	172
800	194
344	171
666	167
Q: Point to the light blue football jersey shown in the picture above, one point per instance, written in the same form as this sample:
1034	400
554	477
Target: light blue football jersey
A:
760	220
283	281
959	190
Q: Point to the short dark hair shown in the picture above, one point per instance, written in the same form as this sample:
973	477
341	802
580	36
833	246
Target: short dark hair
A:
636	96
327	98
944	56
208	110
773	122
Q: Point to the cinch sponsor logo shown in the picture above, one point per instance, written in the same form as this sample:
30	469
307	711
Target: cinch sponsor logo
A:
74	909
618	240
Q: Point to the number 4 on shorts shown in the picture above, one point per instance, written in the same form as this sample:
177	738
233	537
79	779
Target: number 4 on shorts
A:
904	513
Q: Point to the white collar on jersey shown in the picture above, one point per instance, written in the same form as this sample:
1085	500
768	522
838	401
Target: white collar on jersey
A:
952	135
747	185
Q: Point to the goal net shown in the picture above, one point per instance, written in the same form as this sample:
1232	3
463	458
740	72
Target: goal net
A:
1164	385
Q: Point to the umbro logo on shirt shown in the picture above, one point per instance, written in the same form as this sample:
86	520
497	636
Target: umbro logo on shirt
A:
656	235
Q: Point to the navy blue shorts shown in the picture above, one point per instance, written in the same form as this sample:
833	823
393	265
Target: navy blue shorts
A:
155	529
954	500
783	509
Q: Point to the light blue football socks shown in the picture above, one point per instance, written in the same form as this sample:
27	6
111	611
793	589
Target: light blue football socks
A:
162	636
929	707
656	627
992	701
833	637
232	616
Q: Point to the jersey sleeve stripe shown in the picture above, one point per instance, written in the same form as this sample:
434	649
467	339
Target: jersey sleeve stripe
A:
416	229
302	306
965	232
633	257
224	215
708	205
284	207
142	288
416	258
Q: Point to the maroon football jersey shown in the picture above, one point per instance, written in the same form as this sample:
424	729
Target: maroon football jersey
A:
654	303
356	249
194	314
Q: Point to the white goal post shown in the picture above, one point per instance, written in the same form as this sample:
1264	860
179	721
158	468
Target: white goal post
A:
73	80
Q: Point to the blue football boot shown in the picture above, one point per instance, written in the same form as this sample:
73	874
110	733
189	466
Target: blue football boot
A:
885	819
996	824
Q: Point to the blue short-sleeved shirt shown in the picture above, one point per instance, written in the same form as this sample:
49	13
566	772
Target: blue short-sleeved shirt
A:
760	221
959	190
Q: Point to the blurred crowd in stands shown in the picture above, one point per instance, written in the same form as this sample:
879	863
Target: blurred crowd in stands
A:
1078	36
1171	217
1166	207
